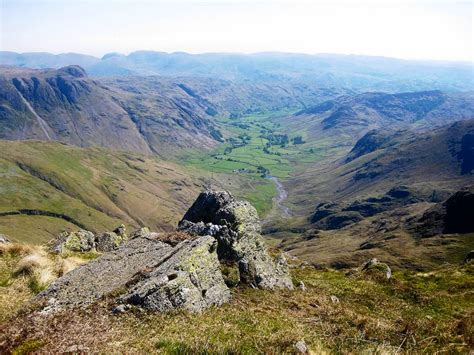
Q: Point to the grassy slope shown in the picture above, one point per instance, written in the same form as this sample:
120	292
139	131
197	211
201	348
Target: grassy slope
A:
413	312
102	189
98	188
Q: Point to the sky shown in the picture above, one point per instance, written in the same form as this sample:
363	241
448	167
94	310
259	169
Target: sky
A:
410	29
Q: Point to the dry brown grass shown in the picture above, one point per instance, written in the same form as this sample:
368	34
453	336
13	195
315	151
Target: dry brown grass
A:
409	314
26	270
15	249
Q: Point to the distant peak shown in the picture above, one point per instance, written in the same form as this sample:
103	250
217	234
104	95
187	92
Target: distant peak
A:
112	55
74	70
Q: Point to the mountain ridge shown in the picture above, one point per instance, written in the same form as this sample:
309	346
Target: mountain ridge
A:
352	71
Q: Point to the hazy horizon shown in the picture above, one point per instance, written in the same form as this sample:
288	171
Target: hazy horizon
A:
416	30
248	53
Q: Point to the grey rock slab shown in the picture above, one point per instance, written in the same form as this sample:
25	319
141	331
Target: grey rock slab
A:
190	279
106	274
147	272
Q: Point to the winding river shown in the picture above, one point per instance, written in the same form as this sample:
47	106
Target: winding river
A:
281	197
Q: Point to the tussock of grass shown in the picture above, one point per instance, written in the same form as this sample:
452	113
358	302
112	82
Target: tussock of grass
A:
31	263
63	266
14	249
40	280
26	270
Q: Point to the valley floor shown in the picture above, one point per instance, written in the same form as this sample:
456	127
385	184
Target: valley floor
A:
337	312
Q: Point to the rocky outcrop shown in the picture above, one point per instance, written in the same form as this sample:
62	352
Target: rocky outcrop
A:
189	279
148	272
236	226
455	215
218	246
84	241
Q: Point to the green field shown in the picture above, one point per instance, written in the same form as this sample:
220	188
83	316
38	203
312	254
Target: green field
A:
257	146
248	149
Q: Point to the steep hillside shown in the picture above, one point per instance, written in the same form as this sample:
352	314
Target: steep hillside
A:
218	97
139	114
48	186
364	204
66	105
356	114
440	159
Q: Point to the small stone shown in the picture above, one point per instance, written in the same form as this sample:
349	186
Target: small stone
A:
334	299
4	239
376	266
120	309
77	349
301	347
302	286
141	232
469	257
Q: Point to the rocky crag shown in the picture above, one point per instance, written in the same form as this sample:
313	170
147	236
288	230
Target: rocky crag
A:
168	271
236	226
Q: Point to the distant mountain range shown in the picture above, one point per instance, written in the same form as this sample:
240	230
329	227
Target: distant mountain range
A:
324	70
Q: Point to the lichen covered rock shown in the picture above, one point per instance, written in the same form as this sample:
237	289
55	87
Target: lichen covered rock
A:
85	241
79	241
236	226
141	232
109	241
190	279
148	272
377	269
219	245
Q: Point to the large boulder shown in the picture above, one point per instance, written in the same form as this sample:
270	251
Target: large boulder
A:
236	226
148	272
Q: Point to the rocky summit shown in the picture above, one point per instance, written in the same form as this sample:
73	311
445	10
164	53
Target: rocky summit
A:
178	270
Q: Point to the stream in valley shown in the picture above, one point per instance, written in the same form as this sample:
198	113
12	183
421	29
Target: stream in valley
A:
280	198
